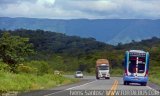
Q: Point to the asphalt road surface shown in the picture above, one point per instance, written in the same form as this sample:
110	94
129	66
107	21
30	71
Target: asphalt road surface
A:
89	86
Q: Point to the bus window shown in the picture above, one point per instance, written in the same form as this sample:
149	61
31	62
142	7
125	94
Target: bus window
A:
141	65
132	66
141	68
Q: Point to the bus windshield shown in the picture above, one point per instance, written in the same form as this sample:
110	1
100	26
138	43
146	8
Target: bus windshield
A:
136	63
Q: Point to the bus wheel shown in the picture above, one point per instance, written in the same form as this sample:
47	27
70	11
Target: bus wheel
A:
125	82
107	77
143	84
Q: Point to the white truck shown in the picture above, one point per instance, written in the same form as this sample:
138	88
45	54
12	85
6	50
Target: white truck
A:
102	69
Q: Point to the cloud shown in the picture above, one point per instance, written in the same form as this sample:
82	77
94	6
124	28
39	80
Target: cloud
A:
14	1
71	9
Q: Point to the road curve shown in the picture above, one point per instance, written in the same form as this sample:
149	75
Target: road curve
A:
89	86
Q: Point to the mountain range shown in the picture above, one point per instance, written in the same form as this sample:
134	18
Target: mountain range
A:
112	31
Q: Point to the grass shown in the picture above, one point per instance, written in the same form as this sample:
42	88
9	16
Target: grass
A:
116	72
154	79
27	82
28	79
154	75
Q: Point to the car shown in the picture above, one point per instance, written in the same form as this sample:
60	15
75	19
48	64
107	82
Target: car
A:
78	74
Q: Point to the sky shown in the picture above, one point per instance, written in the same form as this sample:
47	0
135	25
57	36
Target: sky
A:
76	9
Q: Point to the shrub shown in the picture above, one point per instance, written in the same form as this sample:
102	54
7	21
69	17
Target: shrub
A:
26	69
39	67
4	67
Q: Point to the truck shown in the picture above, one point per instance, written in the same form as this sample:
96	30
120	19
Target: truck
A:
102	69
136	67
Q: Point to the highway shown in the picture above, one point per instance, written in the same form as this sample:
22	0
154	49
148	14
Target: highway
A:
89	86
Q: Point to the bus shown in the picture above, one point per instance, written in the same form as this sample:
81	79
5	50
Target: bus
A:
136	67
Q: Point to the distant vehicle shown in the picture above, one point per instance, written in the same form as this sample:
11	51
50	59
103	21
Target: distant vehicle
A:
136	66
102	69
56	72
78	74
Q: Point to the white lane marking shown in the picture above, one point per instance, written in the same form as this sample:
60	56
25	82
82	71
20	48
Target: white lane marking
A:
81	85
70	88
153	89
54	93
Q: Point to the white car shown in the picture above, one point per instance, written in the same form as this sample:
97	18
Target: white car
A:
78	74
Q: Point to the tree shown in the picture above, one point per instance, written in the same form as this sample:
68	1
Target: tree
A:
13	49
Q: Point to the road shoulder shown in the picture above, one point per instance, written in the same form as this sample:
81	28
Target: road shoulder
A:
56	89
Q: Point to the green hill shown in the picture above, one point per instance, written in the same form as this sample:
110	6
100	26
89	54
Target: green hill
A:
75	52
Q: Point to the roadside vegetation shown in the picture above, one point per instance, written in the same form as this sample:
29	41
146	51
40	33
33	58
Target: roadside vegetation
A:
28	82
17	73
29	78
33	56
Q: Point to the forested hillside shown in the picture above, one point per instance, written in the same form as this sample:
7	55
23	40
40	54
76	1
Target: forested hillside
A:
70	53
66	53
52	42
